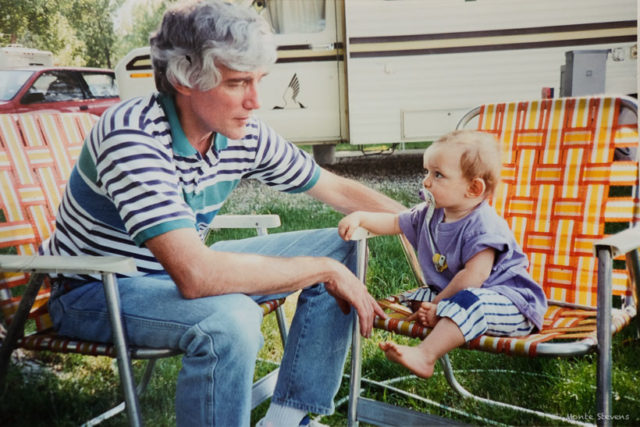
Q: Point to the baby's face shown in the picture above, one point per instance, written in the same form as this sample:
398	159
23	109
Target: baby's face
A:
443	177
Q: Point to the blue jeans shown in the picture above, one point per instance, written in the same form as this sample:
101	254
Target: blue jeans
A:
220	335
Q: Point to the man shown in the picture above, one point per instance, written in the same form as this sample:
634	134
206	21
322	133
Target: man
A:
152	175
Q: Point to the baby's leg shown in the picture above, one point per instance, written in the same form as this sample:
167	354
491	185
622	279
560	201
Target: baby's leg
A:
421	359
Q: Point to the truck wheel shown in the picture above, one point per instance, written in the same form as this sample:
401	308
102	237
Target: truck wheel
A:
324	154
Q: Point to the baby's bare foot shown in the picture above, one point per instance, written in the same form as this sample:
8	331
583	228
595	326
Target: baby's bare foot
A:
411	358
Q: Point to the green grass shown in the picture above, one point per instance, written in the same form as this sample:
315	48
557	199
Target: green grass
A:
76	388
372	148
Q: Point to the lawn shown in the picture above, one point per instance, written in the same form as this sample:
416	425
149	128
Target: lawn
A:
72	389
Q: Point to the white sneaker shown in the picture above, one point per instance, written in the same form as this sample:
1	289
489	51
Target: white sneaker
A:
263	423
306	422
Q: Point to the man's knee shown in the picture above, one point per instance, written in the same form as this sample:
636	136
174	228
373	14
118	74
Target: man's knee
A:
234	330
338	249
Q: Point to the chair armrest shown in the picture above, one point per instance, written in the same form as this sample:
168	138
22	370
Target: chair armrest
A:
361	233
621	243
67	264
245	221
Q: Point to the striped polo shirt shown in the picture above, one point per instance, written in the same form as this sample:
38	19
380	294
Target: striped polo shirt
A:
138	177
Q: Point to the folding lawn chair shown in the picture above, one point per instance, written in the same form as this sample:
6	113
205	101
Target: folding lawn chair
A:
37	152
566	195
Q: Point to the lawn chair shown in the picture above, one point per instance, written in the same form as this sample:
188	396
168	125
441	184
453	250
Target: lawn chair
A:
37	152
566	194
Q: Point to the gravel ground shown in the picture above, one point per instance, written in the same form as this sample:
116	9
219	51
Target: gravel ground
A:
401	170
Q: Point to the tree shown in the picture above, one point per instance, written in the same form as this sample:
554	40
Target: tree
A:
78	32
145	19
21	18
93	22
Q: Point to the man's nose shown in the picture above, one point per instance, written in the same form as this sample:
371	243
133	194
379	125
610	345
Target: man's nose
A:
252	99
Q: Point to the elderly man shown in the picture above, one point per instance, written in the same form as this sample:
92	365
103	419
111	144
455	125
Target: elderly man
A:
154	172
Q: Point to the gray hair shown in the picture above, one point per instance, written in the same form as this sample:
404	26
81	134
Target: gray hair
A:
194	38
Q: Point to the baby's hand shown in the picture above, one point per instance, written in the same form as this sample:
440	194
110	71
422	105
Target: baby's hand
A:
348	225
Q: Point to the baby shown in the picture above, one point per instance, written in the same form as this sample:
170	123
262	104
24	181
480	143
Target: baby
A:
476	273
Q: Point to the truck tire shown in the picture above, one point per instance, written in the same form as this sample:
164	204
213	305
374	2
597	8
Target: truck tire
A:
324	154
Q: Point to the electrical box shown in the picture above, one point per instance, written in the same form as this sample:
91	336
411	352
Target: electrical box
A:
584	72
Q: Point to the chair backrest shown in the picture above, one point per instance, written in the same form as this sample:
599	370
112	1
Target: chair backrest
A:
564	186
37	153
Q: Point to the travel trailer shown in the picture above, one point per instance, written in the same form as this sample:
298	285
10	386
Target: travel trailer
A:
19	56
402	71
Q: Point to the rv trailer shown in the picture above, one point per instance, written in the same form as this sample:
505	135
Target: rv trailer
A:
15	55
401	71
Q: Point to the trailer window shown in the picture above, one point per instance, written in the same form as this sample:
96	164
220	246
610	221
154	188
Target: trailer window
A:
294	16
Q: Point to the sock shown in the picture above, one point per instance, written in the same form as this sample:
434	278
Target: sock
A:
283	416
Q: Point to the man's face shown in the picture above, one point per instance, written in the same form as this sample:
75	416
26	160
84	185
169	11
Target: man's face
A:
226	108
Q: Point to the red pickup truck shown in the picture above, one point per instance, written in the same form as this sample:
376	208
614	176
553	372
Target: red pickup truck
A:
66	89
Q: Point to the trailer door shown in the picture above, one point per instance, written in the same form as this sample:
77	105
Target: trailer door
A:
300	97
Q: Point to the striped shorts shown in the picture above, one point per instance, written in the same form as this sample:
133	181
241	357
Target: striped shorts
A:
478	311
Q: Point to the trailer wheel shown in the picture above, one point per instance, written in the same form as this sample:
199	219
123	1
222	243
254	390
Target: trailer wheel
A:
324	154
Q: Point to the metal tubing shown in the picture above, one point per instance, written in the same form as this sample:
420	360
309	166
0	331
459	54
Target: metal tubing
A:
356	341
16	327
603	319
282	319
124	362
455	385
451	378
146	377
282	325
356	372
633	265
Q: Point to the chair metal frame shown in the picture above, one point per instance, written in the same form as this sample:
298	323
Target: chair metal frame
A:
625	244
369	410
39	267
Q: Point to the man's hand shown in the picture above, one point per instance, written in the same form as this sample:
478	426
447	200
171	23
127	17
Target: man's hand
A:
349	291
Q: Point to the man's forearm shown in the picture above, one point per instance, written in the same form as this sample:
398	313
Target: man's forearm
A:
346	195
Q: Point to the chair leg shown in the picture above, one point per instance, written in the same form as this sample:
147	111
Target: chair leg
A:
263	388
146	377
356	374
16	327
603	320
124	362
455	385
282	325
356	341
140	389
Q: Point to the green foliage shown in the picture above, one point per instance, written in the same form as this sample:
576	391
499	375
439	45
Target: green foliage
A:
78	32
145	19
21	18
94	28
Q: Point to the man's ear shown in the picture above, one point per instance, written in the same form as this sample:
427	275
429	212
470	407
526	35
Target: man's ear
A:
182	90
477	187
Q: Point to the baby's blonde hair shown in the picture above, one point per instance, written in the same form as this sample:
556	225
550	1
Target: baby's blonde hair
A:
480	158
